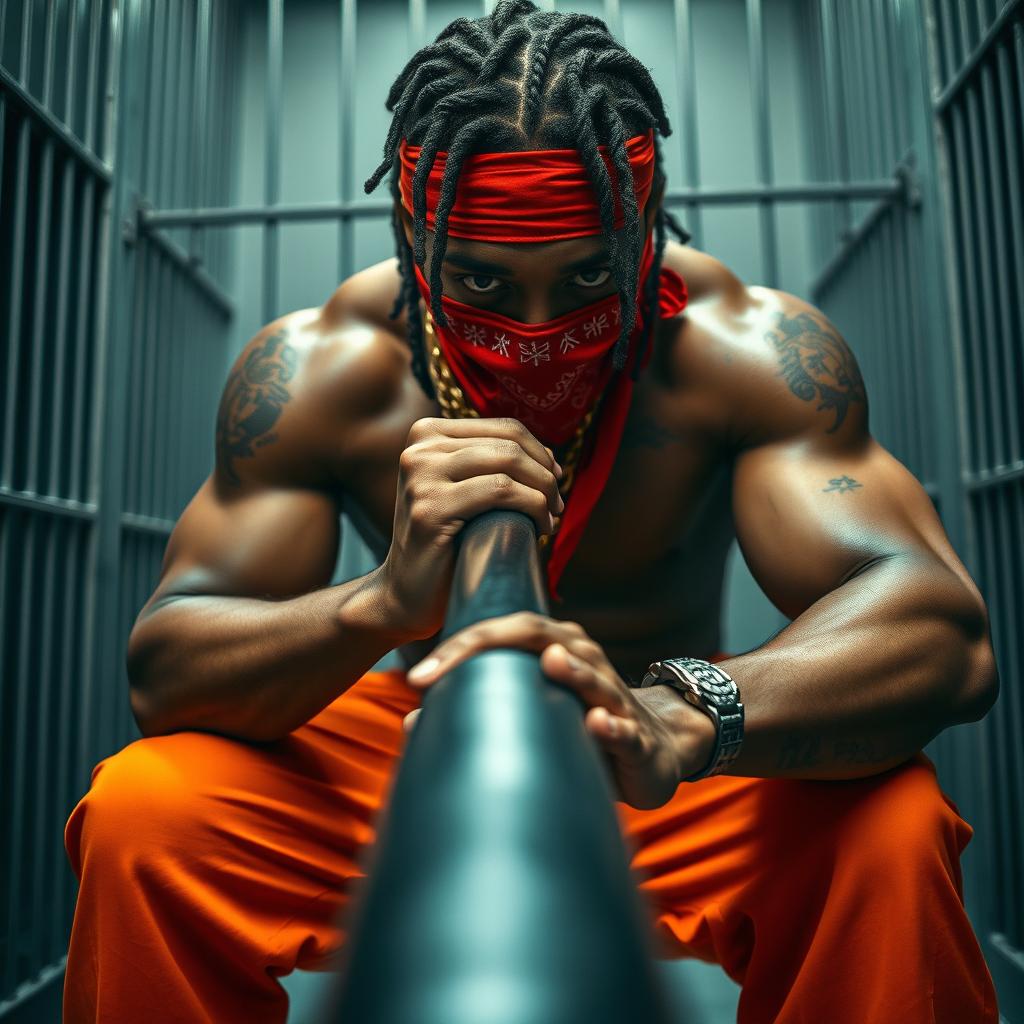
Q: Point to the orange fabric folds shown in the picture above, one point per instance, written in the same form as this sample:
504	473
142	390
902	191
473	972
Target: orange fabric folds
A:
210	867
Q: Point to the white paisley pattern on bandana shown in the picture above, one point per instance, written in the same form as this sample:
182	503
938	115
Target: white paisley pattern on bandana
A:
554	397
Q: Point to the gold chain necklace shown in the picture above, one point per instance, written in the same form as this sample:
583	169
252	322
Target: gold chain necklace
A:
454	405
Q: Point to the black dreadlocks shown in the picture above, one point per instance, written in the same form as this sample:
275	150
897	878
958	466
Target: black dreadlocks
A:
522	79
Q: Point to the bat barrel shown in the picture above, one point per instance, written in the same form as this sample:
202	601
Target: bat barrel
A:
498	891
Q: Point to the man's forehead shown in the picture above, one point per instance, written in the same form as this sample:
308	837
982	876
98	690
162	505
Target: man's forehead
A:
564	255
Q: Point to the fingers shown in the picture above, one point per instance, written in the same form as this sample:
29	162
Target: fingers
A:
581	665
493	457
527	631
498	427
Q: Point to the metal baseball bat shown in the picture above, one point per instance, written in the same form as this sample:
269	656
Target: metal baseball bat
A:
498	891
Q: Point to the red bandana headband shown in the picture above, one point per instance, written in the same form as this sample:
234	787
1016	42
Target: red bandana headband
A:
553	196
545	375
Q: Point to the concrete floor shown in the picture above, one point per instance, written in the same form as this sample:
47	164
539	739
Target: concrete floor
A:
702	992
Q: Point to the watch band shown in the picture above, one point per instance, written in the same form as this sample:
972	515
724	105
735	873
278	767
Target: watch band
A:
715	692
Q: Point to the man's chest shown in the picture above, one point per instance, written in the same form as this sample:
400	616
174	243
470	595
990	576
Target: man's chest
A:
666	504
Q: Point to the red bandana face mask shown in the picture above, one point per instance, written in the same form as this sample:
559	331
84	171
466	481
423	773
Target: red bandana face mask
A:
550	375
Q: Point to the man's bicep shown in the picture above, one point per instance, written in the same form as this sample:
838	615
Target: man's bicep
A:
809	514
268	542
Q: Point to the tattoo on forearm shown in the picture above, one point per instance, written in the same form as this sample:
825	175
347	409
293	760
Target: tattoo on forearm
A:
253	398
643	431
800	752
842	484
818	364
797	752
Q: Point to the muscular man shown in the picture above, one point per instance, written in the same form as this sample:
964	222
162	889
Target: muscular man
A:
549	352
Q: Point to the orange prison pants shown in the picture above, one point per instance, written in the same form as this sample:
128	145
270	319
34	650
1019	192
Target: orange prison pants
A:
210	867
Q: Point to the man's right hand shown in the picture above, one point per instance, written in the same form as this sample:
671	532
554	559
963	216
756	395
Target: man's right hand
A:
450	472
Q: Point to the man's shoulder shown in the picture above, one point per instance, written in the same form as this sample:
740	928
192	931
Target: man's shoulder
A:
759	360
311	380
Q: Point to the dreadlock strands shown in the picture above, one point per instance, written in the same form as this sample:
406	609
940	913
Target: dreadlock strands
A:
522	78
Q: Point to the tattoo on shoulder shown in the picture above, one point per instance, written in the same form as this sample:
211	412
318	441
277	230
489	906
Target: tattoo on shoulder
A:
253	398
842	484
643	431
817	364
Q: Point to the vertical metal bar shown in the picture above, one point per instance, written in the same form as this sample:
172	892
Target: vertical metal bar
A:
147	345
200	128
992	400
21	682
62	337
92	78
909	326
880	103
43	729
970	293
1008	612
163	425
947	37
891	98
153	88
613	18
85	340
163	183
147	314
275	72
763	141
346	135
994	156
70	92
17	272
417	24
968	38
185	130
991	768
39	339
66	675
835	105
1003	778
1001	160
688	138
182	325
895	84
50	33
26	44
9	517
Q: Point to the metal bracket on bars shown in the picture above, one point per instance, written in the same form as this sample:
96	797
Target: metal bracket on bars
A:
906	174
131	226
908	193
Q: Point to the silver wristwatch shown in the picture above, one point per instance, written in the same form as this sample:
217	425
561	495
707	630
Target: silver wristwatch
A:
715	692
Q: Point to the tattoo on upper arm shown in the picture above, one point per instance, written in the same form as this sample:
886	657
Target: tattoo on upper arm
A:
842	484
817	364
253	399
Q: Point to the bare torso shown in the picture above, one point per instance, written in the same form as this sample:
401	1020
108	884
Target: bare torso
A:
646	578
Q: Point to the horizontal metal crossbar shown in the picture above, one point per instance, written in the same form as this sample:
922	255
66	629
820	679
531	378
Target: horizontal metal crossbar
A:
149	525
47	504
232	215
984	479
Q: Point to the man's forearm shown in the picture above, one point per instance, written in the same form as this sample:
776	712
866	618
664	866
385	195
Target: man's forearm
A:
256	669
866	676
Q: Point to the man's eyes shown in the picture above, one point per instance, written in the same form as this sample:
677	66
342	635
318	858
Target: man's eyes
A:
485	284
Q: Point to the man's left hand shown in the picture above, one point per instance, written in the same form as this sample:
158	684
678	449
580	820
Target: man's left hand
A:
652	738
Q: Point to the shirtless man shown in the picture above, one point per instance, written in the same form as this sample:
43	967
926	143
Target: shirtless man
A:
749	421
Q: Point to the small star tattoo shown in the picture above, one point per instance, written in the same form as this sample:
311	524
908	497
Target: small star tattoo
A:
842	484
